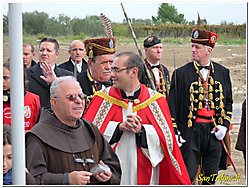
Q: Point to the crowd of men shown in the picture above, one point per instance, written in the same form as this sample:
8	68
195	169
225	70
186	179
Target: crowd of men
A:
101	122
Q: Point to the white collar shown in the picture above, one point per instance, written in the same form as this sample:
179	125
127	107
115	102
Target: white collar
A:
53	66
158	63
78	64
208	64
132	93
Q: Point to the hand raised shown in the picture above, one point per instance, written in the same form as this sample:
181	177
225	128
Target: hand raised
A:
49	74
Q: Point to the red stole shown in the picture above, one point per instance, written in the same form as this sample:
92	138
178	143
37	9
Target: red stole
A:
169	174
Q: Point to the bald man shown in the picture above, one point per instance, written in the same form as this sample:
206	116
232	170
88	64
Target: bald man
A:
76	51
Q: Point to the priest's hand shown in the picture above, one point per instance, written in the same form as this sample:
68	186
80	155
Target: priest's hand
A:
133	123
79	177
103	176
123	127
49	74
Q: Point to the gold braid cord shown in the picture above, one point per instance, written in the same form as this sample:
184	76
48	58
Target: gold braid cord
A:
110	50
109	33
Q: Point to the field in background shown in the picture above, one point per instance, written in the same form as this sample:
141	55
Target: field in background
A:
228	52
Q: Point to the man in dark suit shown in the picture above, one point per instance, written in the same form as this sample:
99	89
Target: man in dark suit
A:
28	55
76	63
46	71
160	75
100	52
200	101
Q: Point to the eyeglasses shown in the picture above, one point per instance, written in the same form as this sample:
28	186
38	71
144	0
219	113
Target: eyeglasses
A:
73	97
80	160
117	70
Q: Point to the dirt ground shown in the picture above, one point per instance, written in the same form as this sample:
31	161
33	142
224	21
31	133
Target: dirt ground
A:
232	57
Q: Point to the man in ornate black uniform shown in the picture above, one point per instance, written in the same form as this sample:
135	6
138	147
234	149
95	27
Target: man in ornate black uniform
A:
160	75
100	52
200	94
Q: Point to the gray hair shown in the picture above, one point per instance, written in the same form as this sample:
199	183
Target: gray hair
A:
208	47
73	42
56	83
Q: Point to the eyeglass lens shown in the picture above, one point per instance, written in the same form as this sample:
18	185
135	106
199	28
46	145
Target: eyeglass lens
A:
72	97
116	69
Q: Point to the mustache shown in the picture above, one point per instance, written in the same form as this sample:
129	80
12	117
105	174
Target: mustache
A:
107	71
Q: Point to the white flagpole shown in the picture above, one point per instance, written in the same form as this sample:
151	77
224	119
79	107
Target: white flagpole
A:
17	94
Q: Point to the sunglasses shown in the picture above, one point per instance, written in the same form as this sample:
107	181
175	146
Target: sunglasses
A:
73	97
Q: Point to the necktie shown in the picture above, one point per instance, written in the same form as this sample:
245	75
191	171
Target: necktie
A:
204	67
107	83
155	66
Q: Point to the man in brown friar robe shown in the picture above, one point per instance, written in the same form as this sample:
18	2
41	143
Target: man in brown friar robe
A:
62	148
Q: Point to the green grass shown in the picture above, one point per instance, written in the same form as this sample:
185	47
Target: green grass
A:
231	41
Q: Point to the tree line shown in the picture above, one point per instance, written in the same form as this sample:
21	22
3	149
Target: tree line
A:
168	23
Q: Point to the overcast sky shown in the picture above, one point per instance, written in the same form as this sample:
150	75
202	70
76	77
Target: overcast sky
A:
214	12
